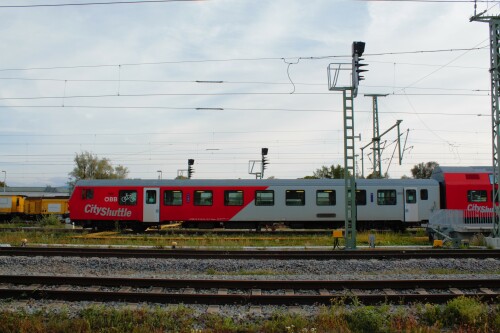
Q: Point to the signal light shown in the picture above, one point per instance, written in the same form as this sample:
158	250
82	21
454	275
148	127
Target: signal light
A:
190	168
264	159
357	50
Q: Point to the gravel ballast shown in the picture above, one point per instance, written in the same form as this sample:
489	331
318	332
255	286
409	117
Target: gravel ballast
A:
239	269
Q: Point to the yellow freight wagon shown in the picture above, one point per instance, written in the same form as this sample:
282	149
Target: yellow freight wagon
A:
11	205
46	206
57	206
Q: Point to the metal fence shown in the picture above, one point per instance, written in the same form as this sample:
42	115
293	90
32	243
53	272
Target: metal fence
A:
459	222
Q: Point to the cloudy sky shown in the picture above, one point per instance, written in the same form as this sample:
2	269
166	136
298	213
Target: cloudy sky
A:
151	85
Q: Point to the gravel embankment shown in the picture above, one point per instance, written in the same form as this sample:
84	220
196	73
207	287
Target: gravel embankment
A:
250	269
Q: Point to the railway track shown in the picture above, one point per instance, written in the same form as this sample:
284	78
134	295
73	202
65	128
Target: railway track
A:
248	254
228	292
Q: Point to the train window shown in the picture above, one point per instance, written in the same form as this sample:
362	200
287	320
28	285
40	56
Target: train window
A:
424	194
150	196
411	196
233	198
386	197
326	198
127	197
361	197
295	198
264	198
172	198
477	196
203	198
87	193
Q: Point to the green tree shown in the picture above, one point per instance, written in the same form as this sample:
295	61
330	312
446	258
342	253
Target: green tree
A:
331	172
423	170
373	175
89	166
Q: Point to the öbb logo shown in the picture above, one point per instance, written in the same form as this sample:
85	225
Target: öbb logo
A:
110	199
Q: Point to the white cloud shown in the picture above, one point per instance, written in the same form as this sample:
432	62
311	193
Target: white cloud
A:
146	128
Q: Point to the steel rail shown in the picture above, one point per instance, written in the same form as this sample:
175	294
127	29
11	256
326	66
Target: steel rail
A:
348	291
248	254
249	284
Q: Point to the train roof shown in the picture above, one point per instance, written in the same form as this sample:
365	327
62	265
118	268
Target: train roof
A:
251	182
36	191
439	172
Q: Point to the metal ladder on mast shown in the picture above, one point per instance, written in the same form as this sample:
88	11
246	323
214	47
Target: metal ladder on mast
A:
350	170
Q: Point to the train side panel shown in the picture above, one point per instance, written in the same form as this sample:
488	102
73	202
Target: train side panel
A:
33	206
54	206
300	202
11	205
106	203
6	205
205	203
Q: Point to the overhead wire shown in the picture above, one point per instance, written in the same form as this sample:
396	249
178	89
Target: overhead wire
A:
240	109
131	2
238	59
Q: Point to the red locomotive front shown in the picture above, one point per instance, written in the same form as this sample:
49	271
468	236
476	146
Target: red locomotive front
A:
92	205
469	189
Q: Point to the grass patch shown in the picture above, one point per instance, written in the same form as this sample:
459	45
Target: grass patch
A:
49	236
462	314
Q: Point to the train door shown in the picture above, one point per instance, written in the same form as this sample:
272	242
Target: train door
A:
411	205
151	212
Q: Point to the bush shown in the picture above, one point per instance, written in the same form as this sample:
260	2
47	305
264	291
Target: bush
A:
49	221
465	311
368	319
430	314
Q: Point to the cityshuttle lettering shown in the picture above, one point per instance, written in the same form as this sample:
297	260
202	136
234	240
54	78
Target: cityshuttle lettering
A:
107	212
479	209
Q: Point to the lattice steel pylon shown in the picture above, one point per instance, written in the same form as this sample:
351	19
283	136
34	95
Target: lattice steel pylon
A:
349	90
377	163
494	22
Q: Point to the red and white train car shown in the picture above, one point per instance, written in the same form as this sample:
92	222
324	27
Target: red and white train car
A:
395	203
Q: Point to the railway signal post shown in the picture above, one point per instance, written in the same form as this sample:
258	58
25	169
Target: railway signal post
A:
349	92
494	23
190	168
265	162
